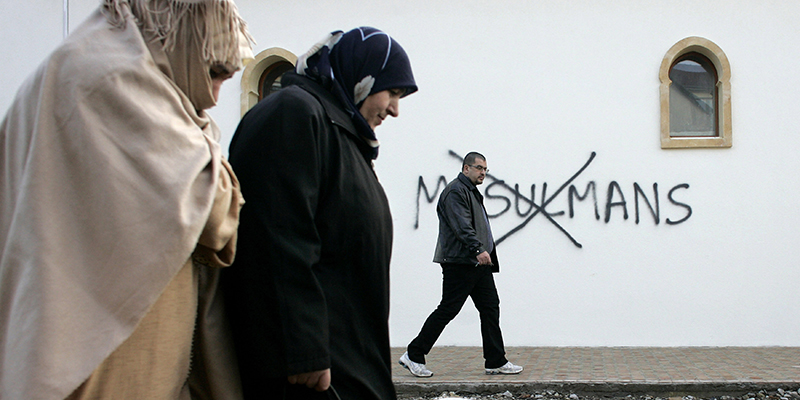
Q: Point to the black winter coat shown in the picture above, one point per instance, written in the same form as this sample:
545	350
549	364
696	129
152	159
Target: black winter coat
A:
309	289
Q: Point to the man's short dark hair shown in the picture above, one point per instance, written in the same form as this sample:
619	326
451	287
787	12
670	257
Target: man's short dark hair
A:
470	158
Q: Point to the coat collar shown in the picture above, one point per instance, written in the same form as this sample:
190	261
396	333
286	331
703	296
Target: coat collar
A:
463	178
336	112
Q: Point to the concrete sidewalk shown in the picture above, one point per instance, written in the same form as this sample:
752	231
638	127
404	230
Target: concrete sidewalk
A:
663	371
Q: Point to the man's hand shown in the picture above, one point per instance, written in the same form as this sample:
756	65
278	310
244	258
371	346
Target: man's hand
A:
484	259
317	380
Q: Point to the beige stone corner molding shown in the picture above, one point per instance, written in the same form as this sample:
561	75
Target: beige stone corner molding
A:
714	54
251	76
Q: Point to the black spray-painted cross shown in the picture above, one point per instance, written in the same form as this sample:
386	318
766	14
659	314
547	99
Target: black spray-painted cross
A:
534	205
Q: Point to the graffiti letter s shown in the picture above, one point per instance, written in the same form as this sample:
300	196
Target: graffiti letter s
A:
686	206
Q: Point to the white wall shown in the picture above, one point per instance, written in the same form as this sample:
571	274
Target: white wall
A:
537	86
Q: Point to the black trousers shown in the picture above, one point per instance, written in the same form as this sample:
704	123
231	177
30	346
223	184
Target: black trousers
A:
459	282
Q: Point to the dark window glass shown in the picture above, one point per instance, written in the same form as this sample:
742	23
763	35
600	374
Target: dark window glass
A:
693	97
271	78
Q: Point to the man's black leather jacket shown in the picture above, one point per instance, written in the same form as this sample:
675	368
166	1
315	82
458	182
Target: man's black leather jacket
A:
463	227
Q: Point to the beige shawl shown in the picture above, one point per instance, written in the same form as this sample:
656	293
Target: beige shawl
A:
107	177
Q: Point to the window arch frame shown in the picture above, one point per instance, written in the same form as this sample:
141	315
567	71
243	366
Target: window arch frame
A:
719	61
254	70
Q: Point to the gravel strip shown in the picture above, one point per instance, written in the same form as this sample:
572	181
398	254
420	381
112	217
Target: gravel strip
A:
779	394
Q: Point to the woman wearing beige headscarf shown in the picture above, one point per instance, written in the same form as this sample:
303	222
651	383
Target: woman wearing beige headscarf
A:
112	185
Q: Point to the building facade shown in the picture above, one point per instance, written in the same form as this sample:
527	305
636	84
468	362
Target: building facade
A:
642	155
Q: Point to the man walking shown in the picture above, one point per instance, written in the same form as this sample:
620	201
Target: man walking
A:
466	251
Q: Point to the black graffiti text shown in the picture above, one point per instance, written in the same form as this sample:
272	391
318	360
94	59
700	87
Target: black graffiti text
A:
512	201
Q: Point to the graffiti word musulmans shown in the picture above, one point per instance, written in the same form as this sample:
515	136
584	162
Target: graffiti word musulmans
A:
526	207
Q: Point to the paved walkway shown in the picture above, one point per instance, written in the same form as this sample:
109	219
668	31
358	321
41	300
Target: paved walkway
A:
657	370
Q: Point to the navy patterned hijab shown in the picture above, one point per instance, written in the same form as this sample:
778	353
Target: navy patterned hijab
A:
356	64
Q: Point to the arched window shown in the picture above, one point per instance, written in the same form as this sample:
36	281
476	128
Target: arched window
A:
695	96
270	81
262	75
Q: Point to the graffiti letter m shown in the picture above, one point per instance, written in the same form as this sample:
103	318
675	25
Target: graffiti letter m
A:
428	196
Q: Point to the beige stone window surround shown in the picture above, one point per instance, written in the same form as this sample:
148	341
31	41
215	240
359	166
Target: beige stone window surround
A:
717	57
252	74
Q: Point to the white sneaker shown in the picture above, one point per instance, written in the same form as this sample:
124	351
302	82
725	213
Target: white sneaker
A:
508	369
415	368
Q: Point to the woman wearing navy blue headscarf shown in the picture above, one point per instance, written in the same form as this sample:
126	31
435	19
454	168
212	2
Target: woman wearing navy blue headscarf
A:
308	294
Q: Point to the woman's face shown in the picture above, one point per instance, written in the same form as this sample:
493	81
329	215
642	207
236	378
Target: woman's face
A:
219	74
377	106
